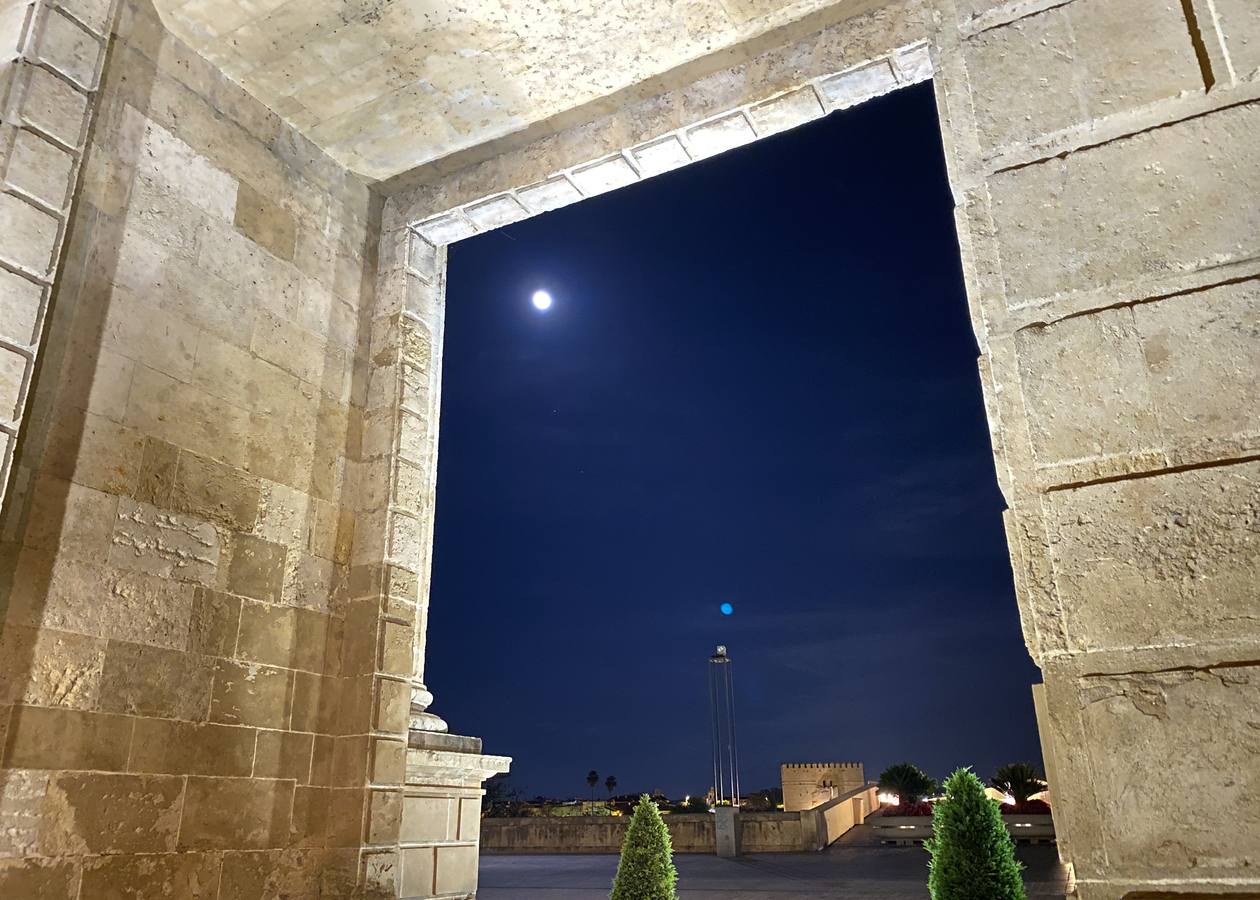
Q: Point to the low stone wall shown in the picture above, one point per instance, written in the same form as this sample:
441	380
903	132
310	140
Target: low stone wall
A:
823	824
760	832
690	833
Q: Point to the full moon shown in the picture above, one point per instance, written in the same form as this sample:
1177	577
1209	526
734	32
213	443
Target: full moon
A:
541	300
727	609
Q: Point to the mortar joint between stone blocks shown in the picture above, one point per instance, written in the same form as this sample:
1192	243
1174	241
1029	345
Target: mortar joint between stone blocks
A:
44	280
74	17
73	149
13	190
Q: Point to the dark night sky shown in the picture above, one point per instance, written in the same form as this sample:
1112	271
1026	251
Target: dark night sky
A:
757	385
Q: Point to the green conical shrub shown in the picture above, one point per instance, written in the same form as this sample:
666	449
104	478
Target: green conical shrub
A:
973	856
646	870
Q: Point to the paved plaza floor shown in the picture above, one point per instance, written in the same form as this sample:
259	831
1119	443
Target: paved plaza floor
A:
854	868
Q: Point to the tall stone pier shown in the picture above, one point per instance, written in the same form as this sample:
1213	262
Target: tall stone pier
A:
223	233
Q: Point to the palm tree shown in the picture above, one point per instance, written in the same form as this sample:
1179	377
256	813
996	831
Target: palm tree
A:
611	783
592	779
907	781
1020	780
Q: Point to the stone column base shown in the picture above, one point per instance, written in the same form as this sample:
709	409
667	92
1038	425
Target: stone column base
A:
441	816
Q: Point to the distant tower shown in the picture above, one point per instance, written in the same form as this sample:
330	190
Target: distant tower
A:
722	722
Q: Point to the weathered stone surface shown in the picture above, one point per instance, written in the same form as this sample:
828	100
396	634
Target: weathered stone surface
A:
1103	237
188	876
146	539
215	622
216	492
40	738
1209	338
40	169
1239	21
20	304
372	117
251	694
236	374
39	879
1173	559
30	234
1160	718
1078	62
277	873
21	811
92	812
44	667
205	425
256	569
265	222
236	813
283	754
166	747
1081	412
99	601
283	636
156	681
72	519
55	107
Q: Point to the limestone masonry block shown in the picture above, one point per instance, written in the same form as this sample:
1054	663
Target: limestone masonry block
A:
30	234
54	107
41	738
283	754
1161	718
856	85
605	175
69	48
238	813
12	380
1239	21
1076	62
1181	543
20	305
155	681
1108	238
548	195
722	134
96	812
251	694
162	746
41	169
1077	412
265	222
1209	338
788	111
194	876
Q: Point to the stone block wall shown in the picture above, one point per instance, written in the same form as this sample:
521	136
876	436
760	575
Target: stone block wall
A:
214	553
51	56
1108	181
1106	184
196	696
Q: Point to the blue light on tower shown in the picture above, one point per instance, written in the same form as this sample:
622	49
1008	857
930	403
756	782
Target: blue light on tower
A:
727	609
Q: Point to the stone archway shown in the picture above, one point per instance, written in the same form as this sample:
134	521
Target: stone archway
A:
223	431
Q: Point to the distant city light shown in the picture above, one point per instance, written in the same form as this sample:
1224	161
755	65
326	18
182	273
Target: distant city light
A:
727	609
541	301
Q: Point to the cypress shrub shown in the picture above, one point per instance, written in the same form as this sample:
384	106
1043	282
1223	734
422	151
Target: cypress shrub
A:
646	870
973	856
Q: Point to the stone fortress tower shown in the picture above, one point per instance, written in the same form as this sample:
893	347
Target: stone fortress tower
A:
806	785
